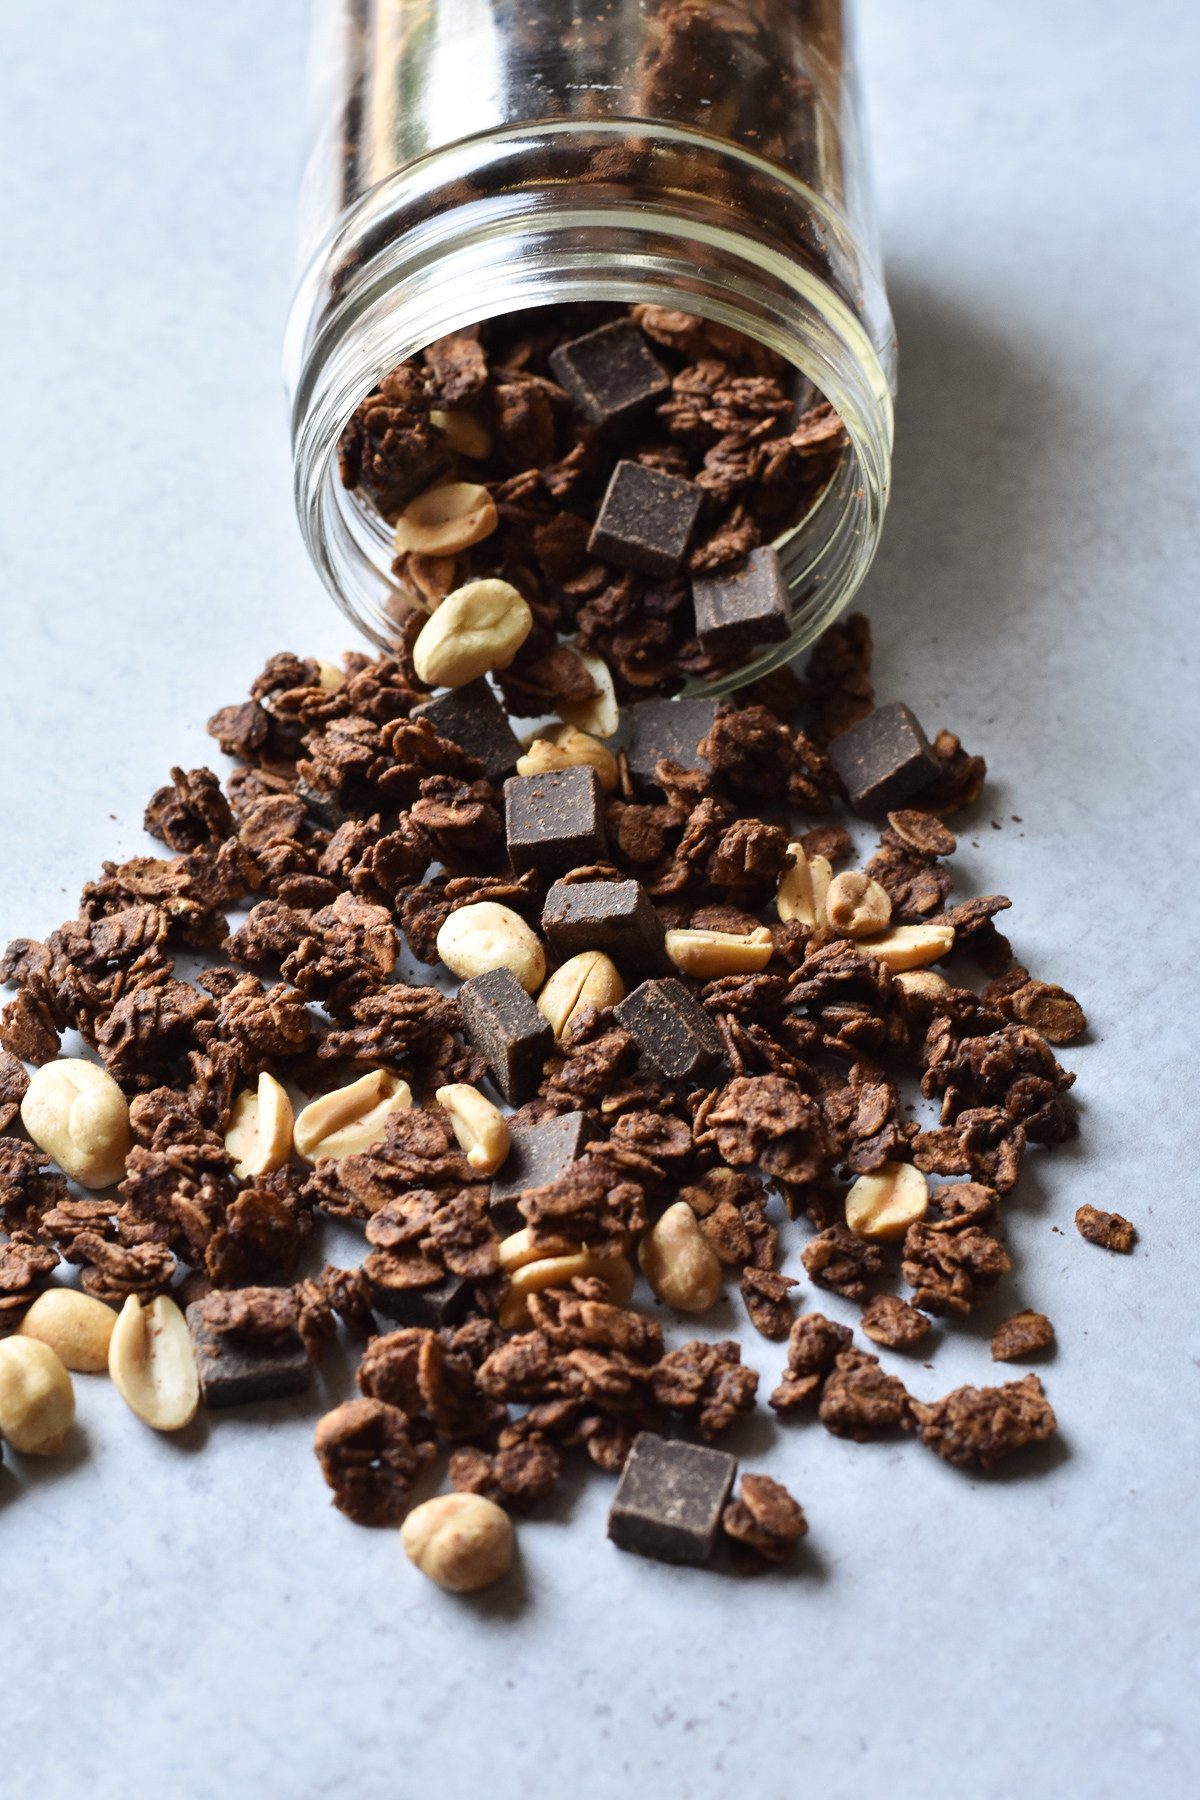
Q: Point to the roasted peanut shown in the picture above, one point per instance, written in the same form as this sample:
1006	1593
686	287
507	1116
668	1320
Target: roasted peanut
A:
516	1250
260	1129
883	1204
151	1363
351	1119
37	1401
591	978
330	677
76	1327
679	1263
480	1127
803	887
464	433
713	953
568	748
433	576
461	1541
489	936
446	519
600	715
544	1271
476	628
76	1113
910	946
856	905
921	985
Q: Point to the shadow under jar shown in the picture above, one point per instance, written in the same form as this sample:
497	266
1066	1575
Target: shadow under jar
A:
536	168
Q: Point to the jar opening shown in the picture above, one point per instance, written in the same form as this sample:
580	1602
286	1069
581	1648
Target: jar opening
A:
379	296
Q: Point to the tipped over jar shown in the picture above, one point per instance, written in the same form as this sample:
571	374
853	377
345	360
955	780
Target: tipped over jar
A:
591	307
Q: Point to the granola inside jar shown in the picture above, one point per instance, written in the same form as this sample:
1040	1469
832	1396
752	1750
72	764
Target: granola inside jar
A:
489	186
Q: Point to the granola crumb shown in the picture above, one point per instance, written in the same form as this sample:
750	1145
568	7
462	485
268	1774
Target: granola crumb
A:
1109	1230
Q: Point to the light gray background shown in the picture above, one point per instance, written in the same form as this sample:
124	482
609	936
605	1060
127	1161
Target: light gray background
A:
191	1616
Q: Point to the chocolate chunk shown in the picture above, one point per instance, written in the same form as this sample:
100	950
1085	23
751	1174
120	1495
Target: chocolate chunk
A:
673	1029
538	1155
610	374
448	1303
883	759
670	729
502	1022
326	807
555	822
614	916
233	1373
474	719
646	519
751	606
669	1500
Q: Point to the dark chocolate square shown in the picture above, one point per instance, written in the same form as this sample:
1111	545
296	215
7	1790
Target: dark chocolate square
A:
751	606
504	1025
446	1303
610	374
614	916
670	1498
233	1373
884	759
325	807
672	1028
646	520
474	719
670	729
555	822
539	1154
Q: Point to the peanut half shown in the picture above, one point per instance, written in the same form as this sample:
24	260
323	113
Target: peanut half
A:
591	978
464	433
679	1263
151	1363
260	1129
490	936
461	1541
476	628
600	715
76	1113
568	748
37	1401
542	1271
446	519
349	1120
910	946
713	953
922	984
857	906
803	887
480	1127
882	1205
77	1328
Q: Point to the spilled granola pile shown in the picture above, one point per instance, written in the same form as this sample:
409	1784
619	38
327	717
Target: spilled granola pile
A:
768	1146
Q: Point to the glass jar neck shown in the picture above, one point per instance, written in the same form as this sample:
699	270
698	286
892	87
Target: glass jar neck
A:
499	224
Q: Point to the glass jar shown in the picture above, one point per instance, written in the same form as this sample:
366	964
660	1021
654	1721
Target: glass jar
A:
470	158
